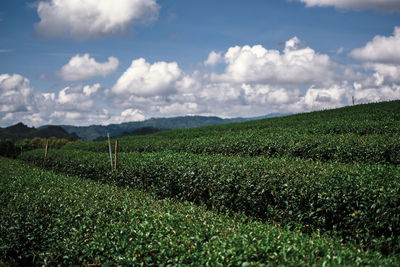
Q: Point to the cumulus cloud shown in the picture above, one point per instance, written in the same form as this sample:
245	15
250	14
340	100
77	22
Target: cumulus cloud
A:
84	68
376	94
86	19
176	109
255	81
381	49
71	105
16	94
297	65
77	97
381	55
324	98
383	5
145	79
126	116
213	59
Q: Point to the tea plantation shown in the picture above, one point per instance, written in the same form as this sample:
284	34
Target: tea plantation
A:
50	219
320	188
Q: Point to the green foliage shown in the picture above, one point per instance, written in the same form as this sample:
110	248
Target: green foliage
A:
49	219
10	148
357	202
7	148
35	143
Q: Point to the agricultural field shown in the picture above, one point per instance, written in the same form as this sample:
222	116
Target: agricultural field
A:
363	133
50	219
320	188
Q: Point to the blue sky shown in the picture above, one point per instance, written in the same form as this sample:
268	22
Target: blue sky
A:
87	62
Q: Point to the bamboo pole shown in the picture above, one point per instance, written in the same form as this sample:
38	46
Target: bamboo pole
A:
109	149
46	149
116	152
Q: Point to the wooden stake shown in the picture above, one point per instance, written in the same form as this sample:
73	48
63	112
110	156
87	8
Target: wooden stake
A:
46	149
116	151
109	149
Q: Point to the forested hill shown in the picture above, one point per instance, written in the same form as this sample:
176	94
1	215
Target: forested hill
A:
20	131
92	132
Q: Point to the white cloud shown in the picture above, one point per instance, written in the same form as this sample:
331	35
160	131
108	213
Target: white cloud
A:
78	97
16	94
381	55
72	105
340	51
84	68
383	5
267	95
213	59
381	49
297	65
382	93
84	19
177	109
89	90
324	98
126	116
145	79
49	96
388	73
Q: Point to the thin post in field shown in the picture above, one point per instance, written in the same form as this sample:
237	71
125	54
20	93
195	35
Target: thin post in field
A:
116	152
46	149
109	149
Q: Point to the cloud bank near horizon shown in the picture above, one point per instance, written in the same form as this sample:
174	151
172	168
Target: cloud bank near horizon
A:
253	81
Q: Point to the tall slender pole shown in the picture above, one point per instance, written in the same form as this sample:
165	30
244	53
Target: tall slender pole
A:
116	151
109	149
46	149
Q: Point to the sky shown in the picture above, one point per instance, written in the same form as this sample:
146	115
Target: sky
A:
84	62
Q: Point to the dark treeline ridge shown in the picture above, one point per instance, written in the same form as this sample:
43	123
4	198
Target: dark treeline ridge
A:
136	132
21	131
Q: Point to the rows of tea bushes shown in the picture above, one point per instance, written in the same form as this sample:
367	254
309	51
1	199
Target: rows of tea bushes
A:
375	118
344	148
49	219
364	133
357	202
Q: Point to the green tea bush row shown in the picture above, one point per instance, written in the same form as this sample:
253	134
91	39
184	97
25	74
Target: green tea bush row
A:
342	148
375	118
49	219
358	202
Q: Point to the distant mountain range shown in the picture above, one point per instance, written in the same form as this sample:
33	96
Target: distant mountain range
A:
20	131
89	133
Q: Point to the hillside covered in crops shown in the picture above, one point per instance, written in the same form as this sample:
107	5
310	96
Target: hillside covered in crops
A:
319	188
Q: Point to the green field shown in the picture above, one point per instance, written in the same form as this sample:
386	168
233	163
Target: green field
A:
309	189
